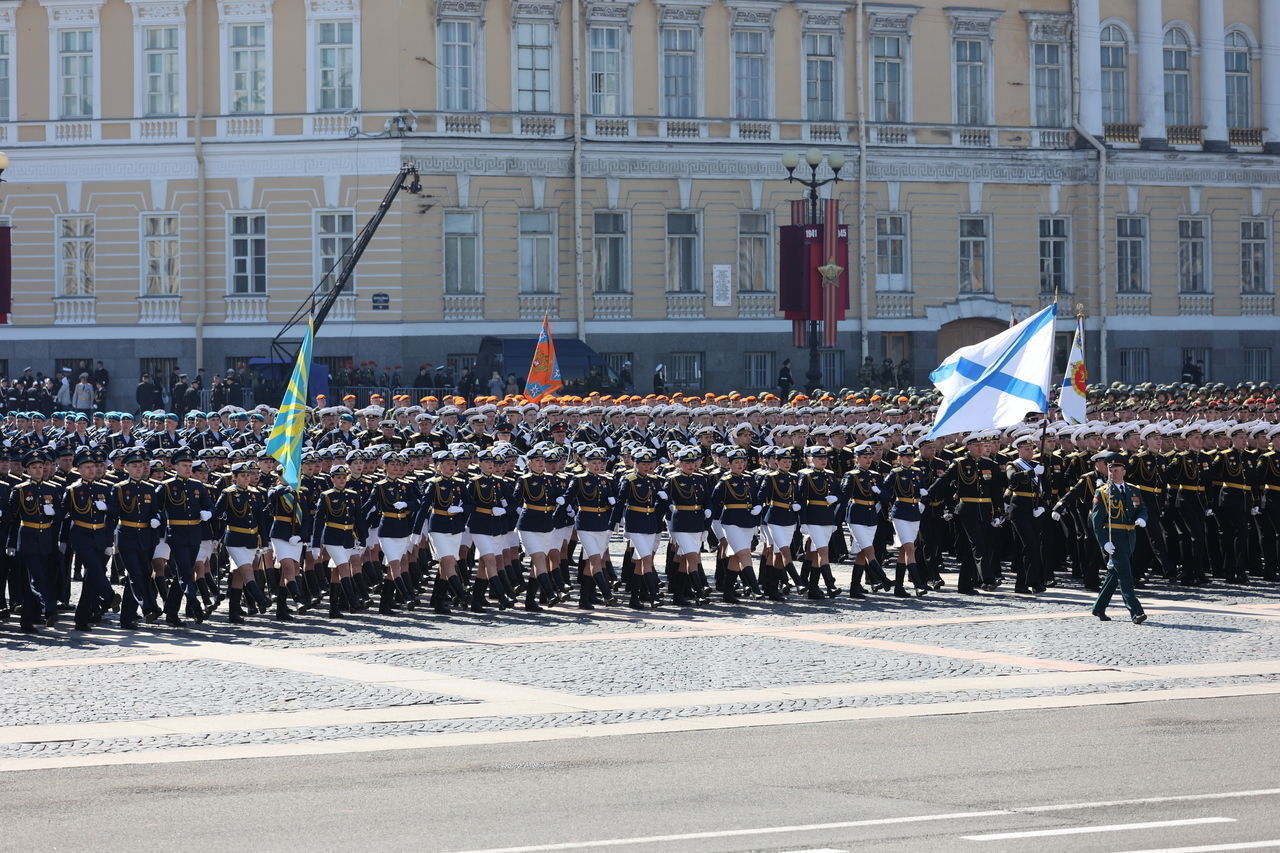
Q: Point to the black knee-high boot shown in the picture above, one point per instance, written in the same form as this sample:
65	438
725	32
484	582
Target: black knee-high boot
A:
900	575
855	585
335	600
477	595
917	579
402	586
498	586
651	586
440	597
386	604
459	590
353	601
830	580
531	598
606	588
235	613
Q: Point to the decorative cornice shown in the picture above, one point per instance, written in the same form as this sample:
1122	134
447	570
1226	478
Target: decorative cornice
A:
823	16
7	9
609	12
72	13
244	10
758	14
333	9
972	22
152	12
459	9
1048	26
890	20
682	12
546	11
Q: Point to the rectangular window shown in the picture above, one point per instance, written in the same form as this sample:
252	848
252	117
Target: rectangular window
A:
973	255
759	371
462	361
685	370
160	253
457	66
1050	83
832	363
617	361
1115	77
533	67
248	68
1239	82
891	252
461	248
160	65
1197	358
1133	366
75	73
819	77
888	83
335	65
605	70
610	253
750	74
1177	80
537	253
75	256
971	81
335	232
248	254
1131	255
679	72
4	78
164	371
1255	241
753	253
1191	255
1053	256
1257	364
682	253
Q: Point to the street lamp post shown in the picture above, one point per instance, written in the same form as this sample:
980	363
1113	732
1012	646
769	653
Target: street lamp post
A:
813	159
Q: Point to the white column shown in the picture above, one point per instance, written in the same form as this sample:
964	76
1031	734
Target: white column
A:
1090	60
1213	76
1271	74
1151	74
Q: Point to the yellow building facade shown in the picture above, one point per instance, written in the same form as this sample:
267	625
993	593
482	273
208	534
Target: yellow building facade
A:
184	171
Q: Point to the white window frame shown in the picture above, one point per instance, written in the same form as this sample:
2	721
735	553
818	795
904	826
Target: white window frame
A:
1065	239
837	108
885	282
477	64
1063	94
55	72
765	236
1187	74
152	14
699	286
699	74
767	71
144	258
553	50
231	256
1145	256
988	278
1126	45
231	14
59	241
9	29
530	239
1206	256
970	24
626	251
904	73
477	231
1251	54
319	270
1267	253
624	67
337	13
892	20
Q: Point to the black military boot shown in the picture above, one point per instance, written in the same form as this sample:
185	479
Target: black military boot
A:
900	575
440	597
335	599
531	598
606	589
387	596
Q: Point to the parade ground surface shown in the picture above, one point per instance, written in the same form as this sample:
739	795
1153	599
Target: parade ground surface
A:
993	723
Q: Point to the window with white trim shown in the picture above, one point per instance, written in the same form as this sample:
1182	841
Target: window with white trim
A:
1192	250
1255	246
1239	81
537	259
971	81
76	255
1134	365
335	234
683	269
5	79
1115	76
160	254
461	252
248	56
457	65
754	240
248	254
679	72
750	74
75	73
335	65
1177	79
161	71
1257	364
758	373
819	76
533	67
888	69
1054	256
1050	80
891	253
1131	254
974	250
832	364
685	370
609	245
604	71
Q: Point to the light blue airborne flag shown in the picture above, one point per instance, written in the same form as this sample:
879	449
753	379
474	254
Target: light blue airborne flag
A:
285	441
996	382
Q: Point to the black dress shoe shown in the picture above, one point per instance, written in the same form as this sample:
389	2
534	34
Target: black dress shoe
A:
174	621
130	624
83	626
1140	618
1102	617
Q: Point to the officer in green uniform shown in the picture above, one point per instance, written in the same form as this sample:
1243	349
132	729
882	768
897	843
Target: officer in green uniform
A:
1118	511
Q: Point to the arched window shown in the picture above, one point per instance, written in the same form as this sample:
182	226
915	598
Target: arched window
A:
1239	81
1115	76
1177	79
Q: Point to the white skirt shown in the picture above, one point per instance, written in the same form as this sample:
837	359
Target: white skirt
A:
687	543
205	551
906	530
738	538
241	558
643	544
487	546
287	550
373	539
864	535
338	555
594	542
535	542
394	548
445	544
162	551
779	536
819	534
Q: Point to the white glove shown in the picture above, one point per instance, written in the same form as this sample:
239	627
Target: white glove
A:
100	505
49	510
1140	522
609	441
795	507
996	522
1253	510
560	501
1055	515
1109	547
400	505
499	511
295	540
456	509
155	522
205	515
1037	512
612	501
920	506
62	547
755	510
110	552
830	499
924	493
1208	513
503	502
946	516
1039	469
875	490
662	495
706	513
12	552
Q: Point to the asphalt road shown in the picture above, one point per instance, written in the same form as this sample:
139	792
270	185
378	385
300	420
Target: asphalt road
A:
951	772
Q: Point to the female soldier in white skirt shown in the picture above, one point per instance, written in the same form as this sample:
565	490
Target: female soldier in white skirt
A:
446	521
484	498
690	509
286	535
904	488
733	505
777	492
862	490
393	501
592	496
338	528
819	493
538	497
242	513
642	504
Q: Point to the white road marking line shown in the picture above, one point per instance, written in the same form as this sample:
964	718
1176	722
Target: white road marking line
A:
736	833
1141	801
1085	830
1213	848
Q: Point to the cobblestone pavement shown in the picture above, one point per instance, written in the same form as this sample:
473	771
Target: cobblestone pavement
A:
417	679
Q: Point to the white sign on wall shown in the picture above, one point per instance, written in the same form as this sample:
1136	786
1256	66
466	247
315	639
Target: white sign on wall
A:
721	285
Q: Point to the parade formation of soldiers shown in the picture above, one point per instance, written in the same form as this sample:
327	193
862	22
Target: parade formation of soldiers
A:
427	504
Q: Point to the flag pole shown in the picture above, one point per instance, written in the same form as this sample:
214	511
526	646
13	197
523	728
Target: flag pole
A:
1044	426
